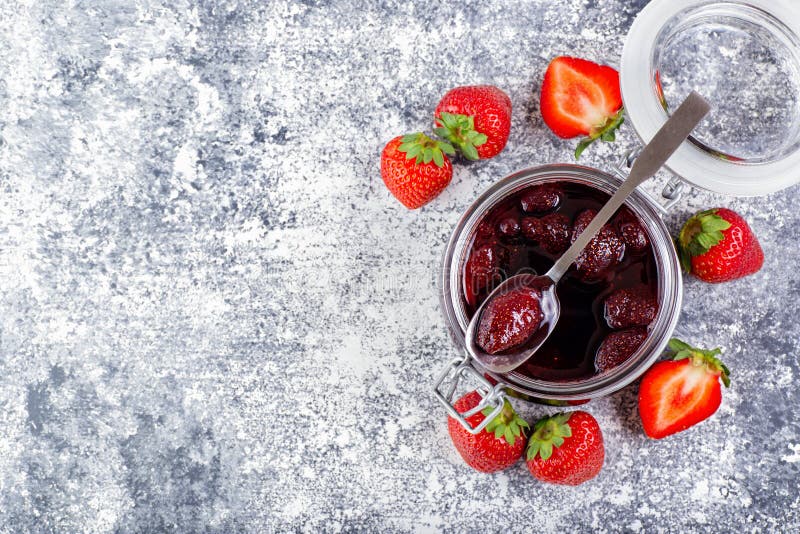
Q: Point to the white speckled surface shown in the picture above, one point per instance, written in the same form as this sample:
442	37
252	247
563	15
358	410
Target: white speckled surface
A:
215	318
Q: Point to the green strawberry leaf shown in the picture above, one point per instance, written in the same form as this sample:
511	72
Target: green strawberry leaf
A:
507	425
447	148
425	150
714	223
548	432
606	132
608	136
585	142
546	450
533	449
676	345
470	152
684	257
701	232
459	130
477	139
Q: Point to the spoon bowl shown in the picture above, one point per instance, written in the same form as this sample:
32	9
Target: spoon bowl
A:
508	360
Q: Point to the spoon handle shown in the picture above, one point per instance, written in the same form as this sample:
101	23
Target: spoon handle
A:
653	156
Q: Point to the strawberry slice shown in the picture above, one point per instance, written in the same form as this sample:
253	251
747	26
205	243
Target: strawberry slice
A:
581	98
677	394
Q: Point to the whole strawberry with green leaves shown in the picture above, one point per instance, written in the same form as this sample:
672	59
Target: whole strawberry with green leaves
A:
415	168
566	448
496	447
717	245
475	119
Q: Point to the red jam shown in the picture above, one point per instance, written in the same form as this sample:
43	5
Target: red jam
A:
607	298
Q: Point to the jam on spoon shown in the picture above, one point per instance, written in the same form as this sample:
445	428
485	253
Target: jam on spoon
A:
510	319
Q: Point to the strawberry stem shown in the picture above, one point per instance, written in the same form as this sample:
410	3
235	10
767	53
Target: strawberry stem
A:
507	424
606	132
548	432
424	149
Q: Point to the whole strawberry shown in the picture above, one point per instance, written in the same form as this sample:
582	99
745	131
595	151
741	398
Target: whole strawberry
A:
618	347
717	245
603	252
632	232
415	168
552	231
679	393
540	198
630	306
495	448
566	448
476	119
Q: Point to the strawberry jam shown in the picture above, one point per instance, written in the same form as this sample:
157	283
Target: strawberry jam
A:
608	292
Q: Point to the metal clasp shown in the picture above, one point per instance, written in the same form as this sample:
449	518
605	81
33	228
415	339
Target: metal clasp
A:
672	191
492	395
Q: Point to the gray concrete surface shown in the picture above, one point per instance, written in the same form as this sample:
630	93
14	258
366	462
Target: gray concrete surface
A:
214	317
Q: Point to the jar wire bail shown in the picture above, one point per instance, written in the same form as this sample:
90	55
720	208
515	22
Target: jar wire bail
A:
492	395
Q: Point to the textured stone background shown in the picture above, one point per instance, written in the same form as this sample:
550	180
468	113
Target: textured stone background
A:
215	317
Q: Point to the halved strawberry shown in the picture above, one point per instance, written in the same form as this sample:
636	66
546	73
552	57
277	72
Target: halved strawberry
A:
680	393
581	98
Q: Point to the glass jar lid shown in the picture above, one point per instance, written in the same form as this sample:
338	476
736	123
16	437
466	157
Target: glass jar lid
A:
744	58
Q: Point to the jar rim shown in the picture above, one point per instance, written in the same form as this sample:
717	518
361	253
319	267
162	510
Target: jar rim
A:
670	290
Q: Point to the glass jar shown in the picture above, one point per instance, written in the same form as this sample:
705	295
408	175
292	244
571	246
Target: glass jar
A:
744	58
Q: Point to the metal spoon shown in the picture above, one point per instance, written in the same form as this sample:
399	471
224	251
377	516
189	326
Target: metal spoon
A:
653	156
